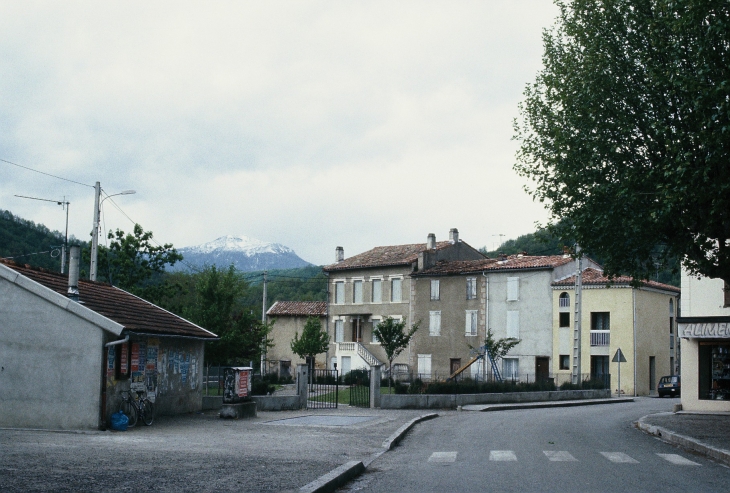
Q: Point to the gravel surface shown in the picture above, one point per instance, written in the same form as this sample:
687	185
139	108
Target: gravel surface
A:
198	452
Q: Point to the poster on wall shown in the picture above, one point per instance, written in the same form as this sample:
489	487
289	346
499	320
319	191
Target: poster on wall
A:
111	356
139	360
135	357
123	359
184	366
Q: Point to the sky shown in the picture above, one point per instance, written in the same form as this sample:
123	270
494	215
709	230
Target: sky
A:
310	124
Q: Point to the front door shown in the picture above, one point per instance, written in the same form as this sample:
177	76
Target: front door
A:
542	368
599	368
346	365
356	330
455	365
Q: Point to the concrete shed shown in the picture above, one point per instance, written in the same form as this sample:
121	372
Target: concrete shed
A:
64	362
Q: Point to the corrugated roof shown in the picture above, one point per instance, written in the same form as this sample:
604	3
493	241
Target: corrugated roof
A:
384	256
134	313
593	277
299	308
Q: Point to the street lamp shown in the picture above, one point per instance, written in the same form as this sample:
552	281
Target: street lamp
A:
95	233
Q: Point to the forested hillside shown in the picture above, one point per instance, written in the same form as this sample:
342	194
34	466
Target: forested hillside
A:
26	242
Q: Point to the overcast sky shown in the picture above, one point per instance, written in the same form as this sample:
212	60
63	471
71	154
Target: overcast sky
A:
311	124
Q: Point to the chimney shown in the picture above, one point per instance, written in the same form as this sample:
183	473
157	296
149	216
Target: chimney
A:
73	273
339	254
431	241
454	235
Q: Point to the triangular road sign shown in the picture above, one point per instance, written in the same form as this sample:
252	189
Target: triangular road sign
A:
619	357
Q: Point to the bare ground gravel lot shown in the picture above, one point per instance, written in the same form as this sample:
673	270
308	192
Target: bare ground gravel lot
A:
198	452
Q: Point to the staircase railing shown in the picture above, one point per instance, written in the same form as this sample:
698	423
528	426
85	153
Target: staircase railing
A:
367	356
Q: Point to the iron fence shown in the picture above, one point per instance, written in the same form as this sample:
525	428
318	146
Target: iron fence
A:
323	389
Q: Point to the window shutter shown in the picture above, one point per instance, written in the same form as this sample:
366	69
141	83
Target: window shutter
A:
513	324
513	288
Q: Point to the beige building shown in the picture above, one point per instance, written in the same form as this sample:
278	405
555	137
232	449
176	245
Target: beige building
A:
704	329
368	287
289	318
614	315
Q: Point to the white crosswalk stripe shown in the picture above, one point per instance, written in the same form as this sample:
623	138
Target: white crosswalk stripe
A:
619	458
502	455
559	456
678	460
443	457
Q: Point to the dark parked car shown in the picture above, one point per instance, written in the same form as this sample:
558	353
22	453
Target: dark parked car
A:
669	385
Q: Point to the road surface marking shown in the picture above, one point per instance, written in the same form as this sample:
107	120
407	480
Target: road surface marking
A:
443	457
559	456
619	458
502	455
678	460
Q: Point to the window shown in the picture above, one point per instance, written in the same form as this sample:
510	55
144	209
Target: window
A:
377	291
564	300
564	319
671	308
424	366
565	362
727	294
434	323
513	324
339	331
471	323
714	360
357	291
471	288
374	339
434	289
339	292
395	290
510	368
600	321
513	288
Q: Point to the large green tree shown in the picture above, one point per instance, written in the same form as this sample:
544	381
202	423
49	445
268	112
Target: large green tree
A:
314	341
217	306
626	132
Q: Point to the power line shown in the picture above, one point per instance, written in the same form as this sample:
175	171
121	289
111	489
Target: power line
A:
29	254
44	173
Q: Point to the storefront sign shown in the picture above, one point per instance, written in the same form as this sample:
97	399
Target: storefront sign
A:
713	330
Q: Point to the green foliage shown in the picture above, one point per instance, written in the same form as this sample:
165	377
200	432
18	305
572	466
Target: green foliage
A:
498	348
314	340
23	240
626	132
393	338
217	307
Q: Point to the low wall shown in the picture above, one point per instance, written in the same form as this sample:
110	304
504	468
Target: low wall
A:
277	403
452	401
212	402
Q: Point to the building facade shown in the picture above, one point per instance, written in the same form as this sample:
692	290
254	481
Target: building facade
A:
704	328
289	318
640	321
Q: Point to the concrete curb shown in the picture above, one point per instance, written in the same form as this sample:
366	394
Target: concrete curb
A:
543	405
341	475
685	442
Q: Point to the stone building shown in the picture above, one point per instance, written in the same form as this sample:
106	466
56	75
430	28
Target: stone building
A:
289	318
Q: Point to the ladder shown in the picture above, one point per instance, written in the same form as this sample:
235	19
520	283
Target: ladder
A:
482	352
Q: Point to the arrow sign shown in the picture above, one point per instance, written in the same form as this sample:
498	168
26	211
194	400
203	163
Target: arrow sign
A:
618	357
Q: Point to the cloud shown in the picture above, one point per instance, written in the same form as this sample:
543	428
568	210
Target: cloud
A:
311	124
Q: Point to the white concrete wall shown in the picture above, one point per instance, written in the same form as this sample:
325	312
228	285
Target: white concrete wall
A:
50	364
703	297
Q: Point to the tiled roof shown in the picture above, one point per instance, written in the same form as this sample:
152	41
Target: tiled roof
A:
593	277
513	262
299	308
134	313
384	256
531	262
444	268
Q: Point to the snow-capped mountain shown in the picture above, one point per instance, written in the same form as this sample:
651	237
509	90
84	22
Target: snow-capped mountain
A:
246	254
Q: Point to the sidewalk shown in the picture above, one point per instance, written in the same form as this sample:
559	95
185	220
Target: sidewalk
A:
707	434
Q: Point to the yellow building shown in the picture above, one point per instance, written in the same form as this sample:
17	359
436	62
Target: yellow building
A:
614	315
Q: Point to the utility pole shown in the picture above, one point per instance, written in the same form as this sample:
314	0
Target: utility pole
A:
263	321
65	205
577	322
95	233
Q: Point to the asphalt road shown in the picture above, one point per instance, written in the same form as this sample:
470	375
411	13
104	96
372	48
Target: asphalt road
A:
580	449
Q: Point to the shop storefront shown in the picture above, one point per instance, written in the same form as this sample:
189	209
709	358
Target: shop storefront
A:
705	363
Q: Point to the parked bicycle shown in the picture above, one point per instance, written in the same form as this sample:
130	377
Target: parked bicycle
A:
136	407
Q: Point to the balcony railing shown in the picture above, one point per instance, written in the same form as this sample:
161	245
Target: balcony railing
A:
346	346
600	337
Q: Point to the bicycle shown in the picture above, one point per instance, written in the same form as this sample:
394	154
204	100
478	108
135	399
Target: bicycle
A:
137	407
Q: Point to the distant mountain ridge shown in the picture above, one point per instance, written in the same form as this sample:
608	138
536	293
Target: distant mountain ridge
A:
243	252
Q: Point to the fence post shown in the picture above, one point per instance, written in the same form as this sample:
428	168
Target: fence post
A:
302	384
375	375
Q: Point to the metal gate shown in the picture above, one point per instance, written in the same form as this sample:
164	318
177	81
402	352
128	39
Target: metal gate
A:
323	389
359	388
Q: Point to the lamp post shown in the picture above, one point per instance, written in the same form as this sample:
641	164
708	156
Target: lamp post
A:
95	232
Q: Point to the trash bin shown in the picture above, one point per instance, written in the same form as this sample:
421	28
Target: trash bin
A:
237	384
